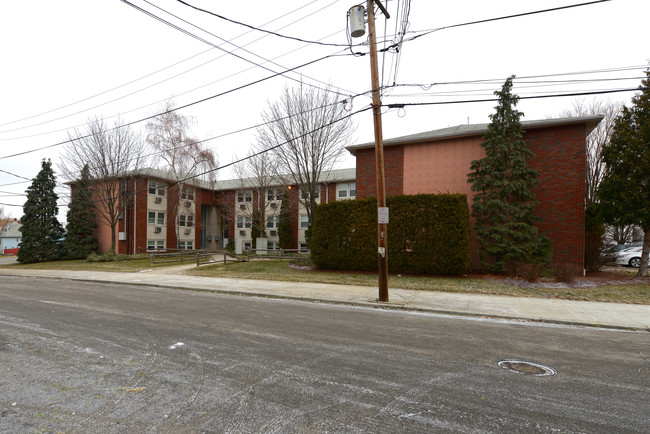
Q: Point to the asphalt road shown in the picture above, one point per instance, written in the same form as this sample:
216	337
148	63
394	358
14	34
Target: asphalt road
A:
84	357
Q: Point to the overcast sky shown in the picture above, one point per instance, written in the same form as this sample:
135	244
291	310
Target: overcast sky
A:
66	61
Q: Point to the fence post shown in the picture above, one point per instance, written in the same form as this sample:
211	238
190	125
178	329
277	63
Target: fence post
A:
151	260
224	256
197	260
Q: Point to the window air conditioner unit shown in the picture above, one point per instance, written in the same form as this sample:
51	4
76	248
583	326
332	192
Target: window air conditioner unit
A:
188	204
158	199
273	233
242	232
274	205
157	230
188	231
242	206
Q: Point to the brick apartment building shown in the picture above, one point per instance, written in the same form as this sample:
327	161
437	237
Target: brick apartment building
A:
438	162
157	216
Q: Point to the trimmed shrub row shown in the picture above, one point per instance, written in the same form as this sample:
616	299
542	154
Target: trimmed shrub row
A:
427	234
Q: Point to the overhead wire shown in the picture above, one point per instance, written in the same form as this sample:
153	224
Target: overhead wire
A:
236	46
488	20
187	105
259	29
147	76
598	92
264	151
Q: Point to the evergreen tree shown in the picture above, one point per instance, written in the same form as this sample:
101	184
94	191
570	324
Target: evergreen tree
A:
79	240
625	190
41	231
504	203
284	228
257	226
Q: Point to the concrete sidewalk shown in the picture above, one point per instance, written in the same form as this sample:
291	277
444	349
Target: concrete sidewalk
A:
616	315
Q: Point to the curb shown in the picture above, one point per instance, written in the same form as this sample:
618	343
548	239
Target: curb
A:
369	304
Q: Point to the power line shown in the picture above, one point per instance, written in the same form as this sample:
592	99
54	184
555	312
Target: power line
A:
599	92
488	20
259	29
264	151
186	105
233	44
146	76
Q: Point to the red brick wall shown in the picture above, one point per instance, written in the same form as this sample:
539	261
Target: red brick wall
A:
560	158
393	172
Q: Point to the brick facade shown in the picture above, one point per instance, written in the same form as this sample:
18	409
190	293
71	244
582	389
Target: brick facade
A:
439	161
393	171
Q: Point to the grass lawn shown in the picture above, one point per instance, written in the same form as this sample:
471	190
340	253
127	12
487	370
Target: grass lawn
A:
124	266
634	293
274	270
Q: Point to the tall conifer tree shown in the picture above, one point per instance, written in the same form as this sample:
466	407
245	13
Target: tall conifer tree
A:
79	240
284	229
41	231
625	190
504	203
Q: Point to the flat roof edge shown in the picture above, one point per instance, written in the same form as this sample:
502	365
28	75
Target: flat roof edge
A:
479	129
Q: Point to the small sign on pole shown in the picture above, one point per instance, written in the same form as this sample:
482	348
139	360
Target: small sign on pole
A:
382	215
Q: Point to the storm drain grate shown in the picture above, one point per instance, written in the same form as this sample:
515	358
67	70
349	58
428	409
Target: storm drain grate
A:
527	368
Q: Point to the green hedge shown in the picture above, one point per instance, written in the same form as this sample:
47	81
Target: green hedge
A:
427	234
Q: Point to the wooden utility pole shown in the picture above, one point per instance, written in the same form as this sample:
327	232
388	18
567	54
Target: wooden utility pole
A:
382	211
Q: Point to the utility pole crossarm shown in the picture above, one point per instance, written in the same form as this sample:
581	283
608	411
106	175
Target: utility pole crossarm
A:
383	9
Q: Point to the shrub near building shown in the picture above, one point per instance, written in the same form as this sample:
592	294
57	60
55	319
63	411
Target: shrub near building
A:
427	234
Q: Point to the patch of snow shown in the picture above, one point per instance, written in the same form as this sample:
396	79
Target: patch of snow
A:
176	345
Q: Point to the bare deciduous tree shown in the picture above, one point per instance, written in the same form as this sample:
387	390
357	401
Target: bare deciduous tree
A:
182	155
307	130
5	220
624	234
595	169
257	173
112	154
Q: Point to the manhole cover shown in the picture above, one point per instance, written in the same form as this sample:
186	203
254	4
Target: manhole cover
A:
527	368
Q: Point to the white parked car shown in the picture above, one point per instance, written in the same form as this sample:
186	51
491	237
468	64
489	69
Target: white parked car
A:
630	257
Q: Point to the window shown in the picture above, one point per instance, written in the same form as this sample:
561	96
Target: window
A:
248	245
303	247
245	196
186	245
304	194
187	193
156	245
156	188
273	222
304	221
244	222
274	194
185	220
156	218
346	190
272	246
